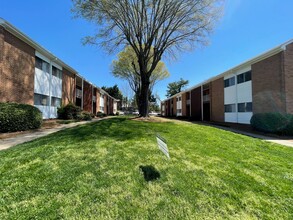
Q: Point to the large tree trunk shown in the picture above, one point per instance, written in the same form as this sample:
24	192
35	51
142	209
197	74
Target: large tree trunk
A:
144	97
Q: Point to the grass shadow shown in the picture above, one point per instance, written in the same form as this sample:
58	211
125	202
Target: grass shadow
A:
150	173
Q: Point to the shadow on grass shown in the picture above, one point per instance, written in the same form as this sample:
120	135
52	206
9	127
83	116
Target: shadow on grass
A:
150	173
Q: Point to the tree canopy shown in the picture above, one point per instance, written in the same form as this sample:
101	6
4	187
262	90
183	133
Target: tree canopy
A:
125	68
113	91
176	87
152	28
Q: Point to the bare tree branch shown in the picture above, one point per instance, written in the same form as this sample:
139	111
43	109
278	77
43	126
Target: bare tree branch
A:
153	28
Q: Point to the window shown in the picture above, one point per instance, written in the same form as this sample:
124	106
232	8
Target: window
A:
42	65
46	67
56	102
78	93
179	111
245	107
56	72
229	82
41	99
244	77
38	63
206	87
230	108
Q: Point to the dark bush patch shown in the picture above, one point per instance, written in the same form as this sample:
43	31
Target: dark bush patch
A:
19	117
84	116
69	111
101	114
274	122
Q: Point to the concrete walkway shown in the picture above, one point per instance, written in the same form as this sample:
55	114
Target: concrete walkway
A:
288	143
22	138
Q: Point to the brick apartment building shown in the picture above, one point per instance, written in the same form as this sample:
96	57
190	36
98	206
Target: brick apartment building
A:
259	85
30	74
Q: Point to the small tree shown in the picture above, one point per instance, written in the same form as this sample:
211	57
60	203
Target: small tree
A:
176	87
115	92
151	28
125	68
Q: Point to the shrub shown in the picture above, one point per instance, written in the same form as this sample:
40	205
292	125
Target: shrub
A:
100	114
84	116
117	113
19	117
69	111
276	123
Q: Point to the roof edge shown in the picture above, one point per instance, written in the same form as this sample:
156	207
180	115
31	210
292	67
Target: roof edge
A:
13	30
251	61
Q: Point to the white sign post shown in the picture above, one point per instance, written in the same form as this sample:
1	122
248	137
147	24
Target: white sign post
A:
162	145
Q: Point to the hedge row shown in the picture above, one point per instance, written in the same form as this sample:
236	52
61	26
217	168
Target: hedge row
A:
19	117
71	111
276	123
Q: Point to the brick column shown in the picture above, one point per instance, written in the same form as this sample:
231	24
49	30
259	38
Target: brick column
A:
217	100
288	75
17	69
268	94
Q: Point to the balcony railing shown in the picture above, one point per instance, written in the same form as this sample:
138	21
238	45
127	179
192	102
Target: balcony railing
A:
78	93
206	98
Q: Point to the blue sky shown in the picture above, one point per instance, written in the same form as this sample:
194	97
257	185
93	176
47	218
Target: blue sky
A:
248	28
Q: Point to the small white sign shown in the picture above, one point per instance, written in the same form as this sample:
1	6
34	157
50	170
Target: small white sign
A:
163	146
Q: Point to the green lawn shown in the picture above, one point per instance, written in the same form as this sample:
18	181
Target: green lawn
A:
92	172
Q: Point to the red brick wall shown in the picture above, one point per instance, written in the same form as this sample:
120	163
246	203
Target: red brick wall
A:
268	94
183	104
17	70
217	100
174	107
1	49
110	106
98	100
196	103
288	67
68	87
87	97
95	103
170	110
166	108
105	104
